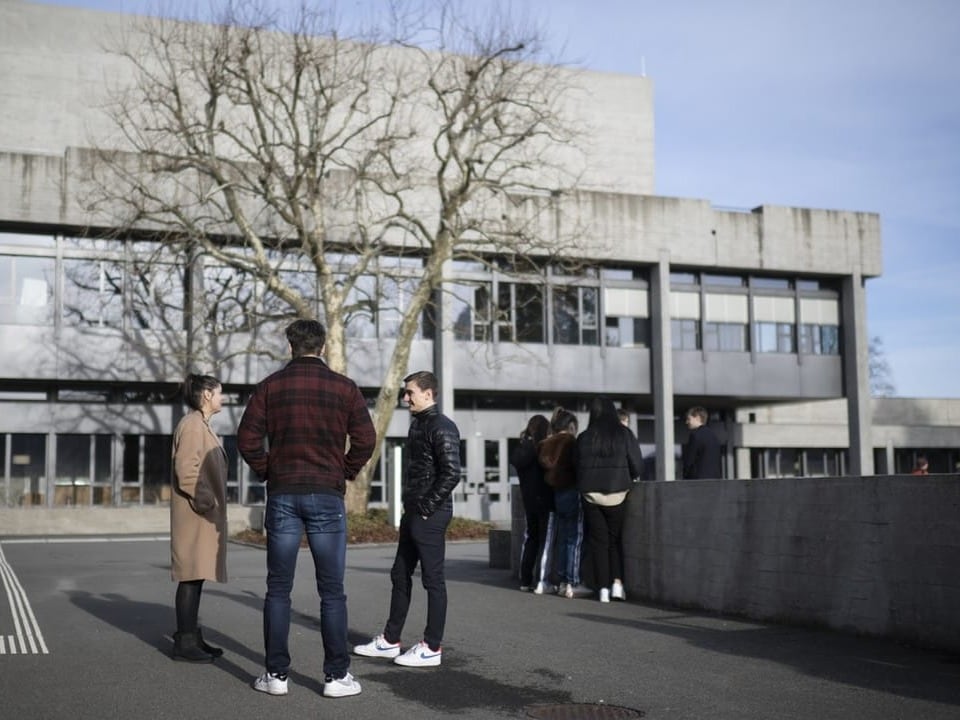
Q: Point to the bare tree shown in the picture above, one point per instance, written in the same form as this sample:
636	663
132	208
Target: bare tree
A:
881	375
305	173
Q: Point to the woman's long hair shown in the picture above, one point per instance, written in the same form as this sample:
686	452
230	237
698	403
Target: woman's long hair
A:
604	428
536	429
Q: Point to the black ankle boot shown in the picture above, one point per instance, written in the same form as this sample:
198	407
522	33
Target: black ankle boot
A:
187	648
206	647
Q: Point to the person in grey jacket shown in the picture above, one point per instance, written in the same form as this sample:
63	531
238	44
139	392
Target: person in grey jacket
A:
432	471
607	459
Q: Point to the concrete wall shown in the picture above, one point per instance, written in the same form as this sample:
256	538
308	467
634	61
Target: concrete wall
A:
871	555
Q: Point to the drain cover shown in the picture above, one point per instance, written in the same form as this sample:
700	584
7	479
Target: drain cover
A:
581	711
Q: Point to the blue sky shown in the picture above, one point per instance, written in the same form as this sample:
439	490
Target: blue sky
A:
841	104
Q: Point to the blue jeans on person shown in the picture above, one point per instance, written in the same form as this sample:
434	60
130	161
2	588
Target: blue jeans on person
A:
424	541
569	535
323	517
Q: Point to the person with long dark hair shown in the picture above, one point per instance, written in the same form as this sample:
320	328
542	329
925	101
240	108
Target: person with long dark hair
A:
560	473
537	507
198	514
608	459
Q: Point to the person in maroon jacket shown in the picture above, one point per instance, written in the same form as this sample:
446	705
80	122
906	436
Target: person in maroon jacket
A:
306	412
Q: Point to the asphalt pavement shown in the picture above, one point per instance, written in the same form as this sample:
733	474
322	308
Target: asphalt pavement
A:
85	629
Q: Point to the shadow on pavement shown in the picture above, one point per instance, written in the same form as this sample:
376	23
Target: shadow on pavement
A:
873	663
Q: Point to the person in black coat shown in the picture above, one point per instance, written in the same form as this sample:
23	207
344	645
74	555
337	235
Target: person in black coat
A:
537	552
608	460
702	452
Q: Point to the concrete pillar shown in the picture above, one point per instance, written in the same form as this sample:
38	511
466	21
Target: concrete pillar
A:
856	374
742	463
662	367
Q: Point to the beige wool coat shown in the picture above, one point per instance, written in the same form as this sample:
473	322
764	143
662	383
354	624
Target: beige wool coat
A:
198	543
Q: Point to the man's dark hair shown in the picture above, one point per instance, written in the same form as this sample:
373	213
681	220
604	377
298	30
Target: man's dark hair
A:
425	380
306	337
699	412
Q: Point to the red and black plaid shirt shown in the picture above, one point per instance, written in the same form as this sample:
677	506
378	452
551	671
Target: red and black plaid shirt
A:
306	412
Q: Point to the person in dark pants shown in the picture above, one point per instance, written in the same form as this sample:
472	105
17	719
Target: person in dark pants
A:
306	412
538	508
432	471
702	451
607	459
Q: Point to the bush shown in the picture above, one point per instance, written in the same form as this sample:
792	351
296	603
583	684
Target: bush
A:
374	527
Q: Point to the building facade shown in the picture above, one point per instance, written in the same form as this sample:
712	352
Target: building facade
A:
680	304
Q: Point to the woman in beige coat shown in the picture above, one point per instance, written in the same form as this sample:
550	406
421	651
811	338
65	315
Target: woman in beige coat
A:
198	514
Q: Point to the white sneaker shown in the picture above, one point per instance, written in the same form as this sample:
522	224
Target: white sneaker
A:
562	589
617	592
604	594
341	687
544	588
378	648
420	655
271	683
578	591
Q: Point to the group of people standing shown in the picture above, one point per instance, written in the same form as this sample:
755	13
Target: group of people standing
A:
573	485
306	432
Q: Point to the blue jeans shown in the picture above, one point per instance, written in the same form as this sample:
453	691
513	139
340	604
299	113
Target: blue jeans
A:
569	535
324	519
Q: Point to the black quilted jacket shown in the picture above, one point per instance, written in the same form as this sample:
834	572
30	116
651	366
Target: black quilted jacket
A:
432	462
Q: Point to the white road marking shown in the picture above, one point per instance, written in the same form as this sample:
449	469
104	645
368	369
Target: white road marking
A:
24	621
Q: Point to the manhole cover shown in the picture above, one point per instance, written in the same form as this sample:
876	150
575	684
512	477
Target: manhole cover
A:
581	711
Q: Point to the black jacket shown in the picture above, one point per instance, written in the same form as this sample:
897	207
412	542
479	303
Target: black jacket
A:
537	495
702	455
432	462
607	474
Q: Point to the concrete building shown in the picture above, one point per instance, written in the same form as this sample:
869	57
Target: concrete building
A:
758	315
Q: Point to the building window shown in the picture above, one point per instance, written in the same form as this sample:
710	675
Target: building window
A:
819	333
685	334
93	293
775	318
575	316
685	320
227	301
726	322
725	337
26	290
28	470
626	317
520	312
472	312
774	337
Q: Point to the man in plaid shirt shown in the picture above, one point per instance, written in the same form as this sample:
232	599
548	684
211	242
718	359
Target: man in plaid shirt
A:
306	412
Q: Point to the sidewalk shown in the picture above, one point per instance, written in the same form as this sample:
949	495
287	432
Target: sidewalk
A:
106	613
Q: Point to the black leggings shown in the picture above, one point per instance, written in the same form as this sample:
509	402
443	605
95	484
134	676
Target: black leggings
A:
188	605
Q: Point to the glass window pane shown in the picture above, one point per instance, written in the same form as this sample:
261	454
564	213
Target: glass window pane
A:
529	313
156	468
93	293
830	339
26	290
156	296
24	240
566	323
28	465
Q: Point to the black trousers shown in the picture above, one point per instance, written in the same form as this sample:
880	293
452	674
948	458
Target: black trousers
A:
188	605
538	541
424	541
604	525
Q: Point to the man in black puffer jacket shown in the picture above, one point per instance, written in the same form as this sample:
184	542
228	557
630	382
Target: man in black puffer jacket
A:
431	472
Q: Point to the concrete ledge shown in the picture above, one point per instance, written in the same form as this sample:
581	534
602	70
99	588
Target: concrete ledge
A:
153	519
499	545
